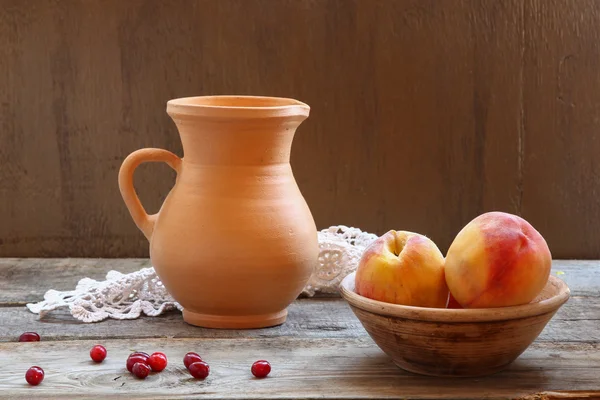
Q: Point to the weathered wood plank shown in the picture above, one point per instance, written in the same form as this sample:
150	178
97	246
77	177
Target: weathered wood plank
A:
302	369
558	180
576	321
69	116
24	280
582	276
307	318
319	332
560	395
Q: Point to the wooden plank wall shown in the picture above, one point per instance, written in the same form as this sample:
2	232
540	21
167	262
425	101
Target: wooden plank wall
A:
425	113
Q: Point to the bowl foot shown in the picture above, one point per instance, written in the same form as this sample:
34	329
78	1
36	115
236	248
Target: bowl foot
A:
234	321
479	371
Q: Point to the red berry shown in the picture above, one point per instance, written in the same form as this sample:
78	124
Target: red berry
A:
199	369
157	361
261	368
139	353
34	376
29	337
141	370
135	359
98	353
191	358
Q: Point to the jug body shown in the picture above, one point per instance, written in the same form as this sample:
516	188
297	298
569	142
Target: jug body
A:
234	241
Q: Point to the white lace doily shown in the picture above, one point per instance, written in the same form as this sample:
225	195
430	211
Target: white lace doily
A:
127	296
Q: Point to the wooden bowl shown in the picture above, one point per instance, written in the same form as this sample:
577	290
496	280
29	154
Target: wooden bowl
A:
455	342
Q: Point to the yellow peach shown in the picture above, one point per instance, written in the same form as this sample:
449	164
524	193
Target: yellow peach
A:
405	268
497	260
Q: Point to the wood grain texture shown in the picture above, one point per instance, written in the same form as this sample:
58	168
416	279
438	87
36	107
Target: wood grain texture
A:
326	318
567	394
302	368
561	125
26	280
321	352
424	113
576	321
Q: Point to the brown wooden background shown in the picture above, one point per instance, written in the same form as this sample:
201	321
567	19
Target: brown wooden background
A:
424	113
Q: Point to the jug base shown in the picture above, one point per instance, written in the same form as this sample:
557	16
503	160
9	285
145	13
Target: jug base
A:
234	321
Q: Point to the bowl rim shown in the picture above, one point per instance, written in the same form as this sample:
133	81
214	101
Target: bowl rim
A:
347	290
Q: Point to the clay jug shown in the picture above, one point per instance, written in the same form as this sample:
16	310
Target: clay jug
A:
234	241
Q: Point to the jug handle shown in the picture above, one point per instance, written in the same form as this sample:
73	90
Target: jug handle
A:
144	222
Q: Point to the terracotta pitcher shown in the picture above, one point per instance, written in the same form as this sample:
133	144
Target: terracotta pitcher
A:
234	241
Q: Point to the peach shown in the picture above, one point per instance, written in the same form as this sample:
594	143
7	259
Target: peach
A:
403	268
497	260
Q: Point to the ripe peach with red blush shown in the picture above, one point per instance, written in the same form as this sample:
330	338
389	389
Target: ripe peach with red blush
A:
497	260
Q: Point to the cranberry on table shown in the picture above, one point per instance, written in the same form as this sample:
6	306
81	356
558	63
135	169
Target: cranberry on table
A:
98	353
132	360
191	358
199	369
157	361
29	337
34	376
140	370
139	353
261	368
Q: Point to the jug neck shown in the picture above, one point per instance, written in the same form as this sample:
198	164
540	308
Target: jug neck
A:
237	130
237	142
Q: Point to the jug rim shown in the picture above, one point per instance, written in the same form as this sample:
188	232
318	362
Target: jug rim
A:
237	105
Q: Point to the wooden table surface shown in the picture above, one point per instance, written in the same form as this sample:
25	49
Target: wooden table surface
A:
322	351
